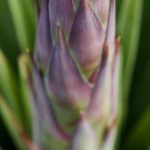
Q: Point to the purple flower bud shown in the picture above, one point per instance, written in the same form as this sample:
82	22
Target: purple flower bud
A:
101	95
65	82
61	11
84	137
87	37
44	108
43	46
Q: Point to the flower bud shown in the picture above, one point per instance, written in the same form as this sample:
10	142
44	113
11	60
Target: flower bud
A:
43	45
65	82
84	134
87	37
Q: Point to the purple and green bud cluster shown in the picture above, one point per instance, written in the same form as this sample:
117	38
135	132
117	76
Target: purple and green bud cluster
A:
76	73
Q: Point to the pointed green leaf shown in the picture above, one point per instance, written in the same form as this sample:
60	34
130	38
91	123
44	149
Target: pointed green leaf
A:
12	124
128	27
25	75
8	85
7	32
10	89
140	94
23	16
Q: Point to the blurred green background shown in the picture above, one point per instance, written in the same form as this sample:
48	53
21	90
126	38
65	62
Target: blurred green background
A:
137	123
140	89
139	99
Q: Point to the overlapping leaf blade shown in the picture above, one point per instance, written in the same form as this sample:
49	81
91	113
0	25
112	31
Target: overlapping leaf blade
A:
23	16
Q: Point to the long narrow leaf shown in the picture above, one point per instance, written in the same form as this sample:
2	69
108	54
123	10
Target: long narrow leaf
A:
128	25
25	72
8	86
12	124
128	28
24	21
